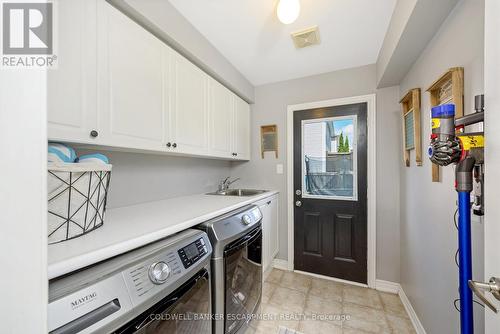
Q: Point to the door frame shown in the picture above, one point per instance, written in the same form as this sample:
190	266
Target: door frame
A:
370	100
492	121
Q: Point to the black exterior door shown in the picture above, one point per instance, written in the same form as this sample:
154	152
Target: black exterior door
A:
330	191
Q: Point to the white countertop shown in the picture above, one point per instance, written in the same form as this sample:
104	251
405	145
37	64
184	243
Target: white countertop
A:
134	226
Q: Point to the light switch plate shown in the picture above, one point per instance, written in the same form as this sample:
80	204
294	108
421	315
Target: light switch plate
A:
279	169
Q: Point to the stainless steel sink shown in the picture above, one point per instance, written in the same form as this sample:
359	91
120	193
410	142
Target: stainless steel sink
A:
238	192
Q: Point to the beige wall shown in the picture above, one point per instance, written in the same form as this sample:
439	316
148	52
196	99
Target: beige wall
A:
270	108
429	275
389	159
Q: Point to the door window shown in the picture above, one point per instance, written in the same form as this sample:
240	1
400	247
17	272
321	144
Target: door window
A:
329	158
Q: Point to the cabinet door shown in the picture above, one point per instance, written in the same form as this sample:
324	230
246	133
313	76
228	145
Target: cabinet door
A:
273	227
131	72
189	107
242	129
221	120
71	87
270	237
266	263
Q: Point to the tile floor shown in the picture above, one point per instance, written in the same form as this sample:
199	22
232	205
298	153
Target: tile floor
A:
311	305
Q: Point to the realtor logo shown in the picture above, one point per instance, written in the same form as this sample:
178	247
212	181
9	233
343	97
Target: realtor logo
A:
27	28
27	38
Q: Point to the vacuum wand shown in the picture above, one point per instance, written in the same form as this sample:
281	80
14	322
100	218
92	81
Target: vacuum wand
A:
451	145
464	187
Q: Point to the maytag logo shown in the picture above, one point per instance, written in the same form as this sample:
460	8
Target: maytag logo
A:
84	300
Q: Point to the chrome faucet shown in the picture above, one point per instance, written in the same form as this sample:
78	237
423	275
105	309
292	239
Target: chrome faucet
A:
224	184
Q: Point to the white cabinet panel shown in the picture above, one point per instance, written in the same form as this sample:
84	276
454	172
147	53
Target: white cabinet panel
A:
242	129
189	107
132	65
264	208
270	234
71	92
273	229
221	120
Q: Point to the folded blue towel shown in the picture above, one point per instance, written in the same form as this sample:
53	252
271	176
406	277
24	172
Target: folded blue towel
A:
58	152
95	157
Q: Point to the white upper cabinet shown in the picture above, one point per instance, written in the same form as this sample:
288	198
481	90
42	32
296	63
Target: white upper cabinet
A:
131	82
221	120
188	107
118	85
242	129
71	93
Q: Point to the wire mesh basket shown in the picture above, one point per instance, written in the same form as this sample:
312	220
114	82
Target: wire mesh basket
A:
77	195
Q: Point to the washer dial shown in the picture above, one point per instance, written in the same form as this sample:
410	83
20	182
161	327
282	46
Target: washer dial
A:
246	219
159	272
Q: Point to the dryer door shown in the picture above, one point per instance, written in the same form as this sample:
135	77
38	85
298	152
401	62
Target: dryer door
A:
186	310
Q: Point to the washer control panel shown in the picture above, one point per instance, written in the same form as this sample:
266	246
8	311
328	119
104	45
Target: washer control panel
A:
193	252
233	223
126	284
160	271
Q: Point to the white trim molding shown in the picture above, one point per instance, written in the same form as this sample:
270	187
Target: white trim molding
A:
392	287
371	184
280	264
387	286
419	328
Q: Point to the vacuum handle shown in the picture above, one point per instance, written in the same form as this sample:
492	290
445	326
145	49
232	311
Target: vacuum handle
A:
493	286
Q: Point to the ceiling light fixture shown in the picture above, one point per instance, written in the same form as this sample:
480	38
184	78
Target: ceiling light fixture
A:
288	11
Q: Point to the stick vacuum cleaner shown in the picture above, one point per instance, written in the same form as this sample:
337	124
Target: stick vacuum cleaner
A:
451	145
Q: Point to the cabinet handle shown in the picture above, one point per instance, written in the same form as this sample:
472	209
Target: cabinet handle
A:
174	145
168	144
94	133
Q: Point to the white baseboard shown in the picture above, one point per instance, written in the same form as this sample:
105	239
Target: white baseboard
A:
391	287
280	264
411	312
387	286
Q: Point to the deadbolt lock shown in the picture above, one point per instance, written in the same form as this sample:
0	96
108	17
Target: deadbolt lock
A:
298	192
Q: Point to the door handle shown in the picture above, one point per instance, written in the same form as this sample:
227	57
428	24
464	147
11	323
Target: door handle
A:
298	204
493	286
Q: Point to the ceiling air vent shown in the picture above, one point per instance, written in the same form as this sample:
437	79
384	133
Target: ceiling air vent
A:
306	37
